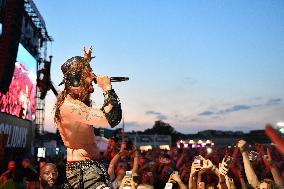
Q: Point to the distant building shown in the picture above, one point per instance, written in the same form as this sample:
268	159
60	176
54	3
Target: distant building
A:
148	140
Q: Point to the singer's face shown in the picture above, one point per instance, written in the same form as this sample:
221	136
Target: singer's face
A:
83	91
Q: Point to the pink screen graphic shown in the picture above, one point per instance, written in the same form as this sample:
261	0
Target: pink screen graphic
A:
20	99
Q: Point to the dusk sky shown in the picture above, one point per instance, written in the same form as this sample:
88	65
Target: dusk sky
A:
194	64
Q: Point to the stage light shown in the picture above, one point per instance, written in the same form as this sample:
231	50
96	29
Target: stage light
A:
208	150
281	127
145	148
208	141
164	147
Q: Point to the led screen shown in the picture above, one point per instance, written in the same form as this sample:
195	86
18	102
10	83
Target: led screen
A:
20	99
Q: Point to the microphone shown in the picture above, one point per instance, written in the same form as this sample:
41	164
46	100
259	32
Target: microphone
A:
115	79
118	79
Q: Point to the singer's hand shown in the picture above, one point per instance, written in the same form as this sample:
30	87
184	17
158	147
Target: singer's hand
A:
104	82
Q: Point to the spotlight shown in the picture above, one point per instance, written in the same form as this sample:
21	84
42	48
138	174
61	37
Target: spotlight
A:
208	150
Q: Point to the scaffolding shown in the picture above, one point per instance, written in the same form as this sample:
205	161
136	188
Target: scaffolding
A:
40	53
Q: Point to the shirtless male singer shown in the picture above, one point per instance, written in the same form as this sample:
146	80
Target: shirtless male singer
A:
75	117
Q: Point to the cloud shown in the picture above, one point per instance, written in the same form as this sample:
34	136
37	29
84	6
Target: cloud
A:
158	115
274	101
242	107
206	113
234	108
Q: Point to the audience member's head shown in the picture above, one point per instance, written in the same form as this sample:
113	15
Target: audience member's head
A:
11	165
113	141
48	176
26	163
267	184
42	162
147	177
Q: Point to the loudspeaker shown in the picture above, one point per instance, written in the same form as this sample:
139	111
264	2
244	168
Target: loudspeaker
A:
9	41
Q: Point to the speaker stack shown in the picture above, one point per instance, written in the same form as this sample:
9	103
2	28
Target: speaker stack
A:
11	32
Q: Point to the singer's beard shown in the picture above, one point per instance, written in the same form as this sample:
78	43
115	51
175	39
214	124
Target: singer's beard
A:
84	94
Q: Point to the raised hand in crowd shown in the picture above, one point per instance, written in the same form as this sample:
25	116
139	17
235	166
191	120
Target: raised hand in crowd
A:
127	183
230	183
250	173
223	171
260	151
195	167
223	168
136	155
175	178
206	165
273	168
115	160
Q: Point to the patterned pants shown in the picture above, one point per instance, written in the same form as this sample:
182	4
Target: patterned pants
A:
86	174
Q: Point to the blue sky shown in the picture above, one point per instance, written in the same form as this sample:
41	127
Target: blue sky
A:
194	64
23	56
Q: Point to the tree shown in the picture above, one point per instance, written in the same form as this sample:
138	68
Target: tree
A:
161	128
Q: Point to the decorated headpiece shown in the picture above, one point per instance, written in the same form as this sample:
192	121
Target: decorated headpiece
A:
72	69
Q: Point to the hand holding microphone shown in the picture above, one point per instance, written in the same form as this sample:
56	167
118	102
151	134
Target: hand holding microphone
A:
104	82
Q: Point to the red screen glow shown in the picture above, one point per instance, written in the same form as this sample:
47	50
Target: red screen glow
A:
20	99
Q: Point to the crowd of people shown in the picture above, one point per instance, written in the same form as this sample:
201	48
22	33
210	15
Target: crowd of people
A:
29	175
20	99
242	166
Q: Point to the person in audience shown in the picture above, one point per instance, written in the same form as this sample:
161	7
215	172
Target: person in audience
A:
252	178
16	181
127	182
9	173
111	150
48	176
175	179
